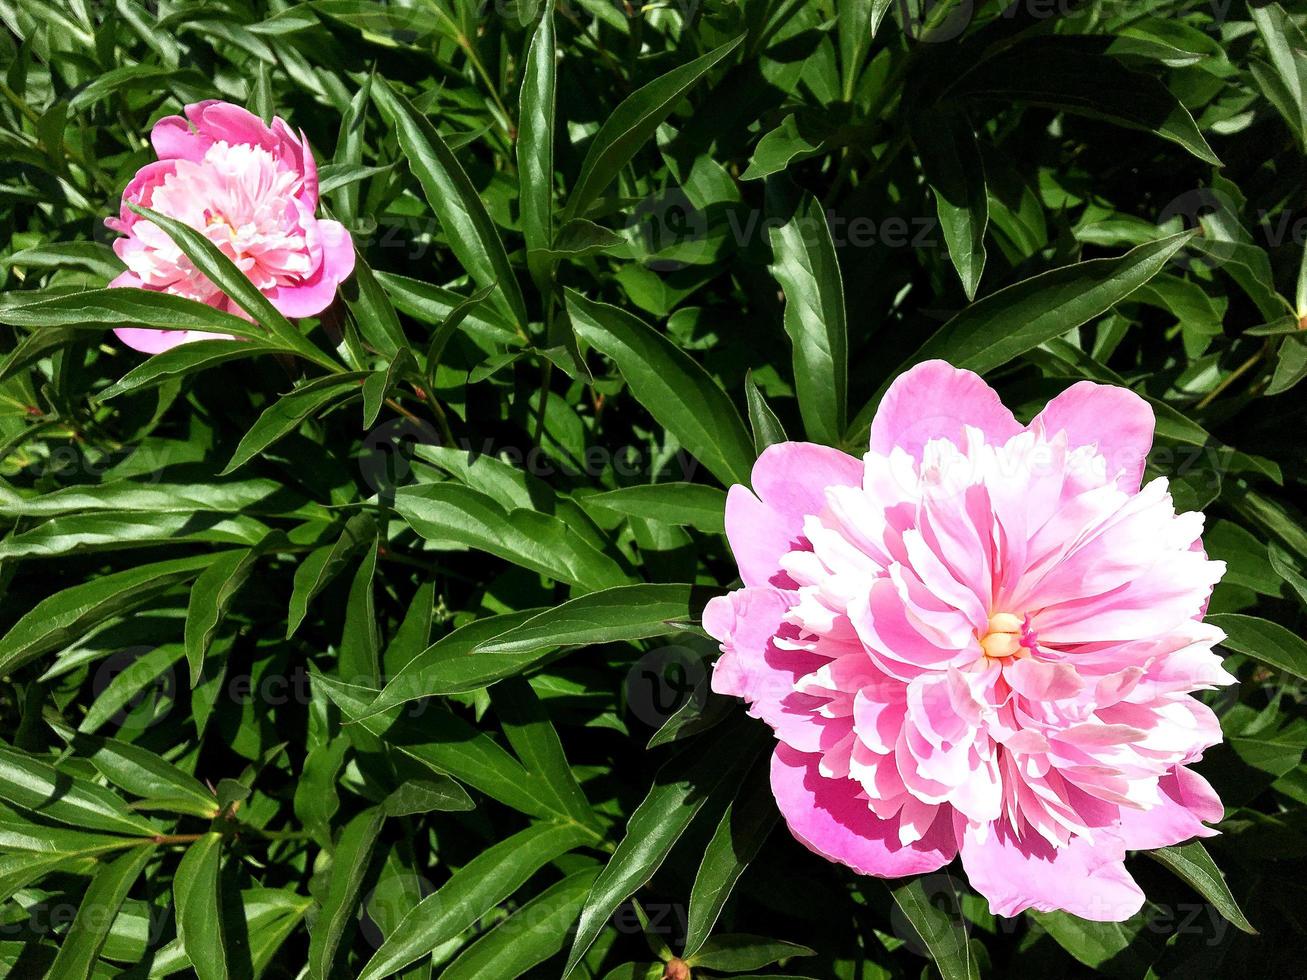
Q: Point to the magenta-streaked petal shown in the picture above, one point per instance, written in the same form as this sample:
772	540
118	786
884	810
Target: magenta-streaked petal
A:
1083	878
754	668
829	818
935	400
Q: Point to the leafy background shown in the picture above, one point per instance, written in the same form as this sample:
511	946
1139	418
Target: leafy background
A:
367	646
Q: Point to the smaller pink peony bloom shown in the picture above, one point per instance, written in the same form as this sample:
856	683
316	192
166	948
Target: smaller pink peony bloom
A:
982	638
252	189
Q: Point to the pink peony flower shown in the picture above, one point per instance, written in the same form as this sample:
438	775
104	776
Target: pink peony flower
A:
253	190
981	638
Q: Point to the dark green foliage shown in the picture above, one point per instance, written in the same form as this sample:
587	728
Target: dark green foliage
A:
369	646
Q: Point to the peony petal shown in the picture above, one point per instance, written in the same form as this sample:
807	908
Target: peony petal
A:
231	124
935	400
173	139
1115	419
790	481
1084	878
1187	801
830	818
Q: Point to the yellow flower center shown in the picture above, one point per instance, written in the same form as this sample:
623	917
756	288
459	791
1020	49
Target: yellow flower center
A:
1003	638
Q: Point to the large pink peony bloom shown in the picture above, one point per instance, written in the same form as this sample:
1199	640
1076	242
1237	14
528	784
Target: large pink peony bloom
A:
253	190
980	638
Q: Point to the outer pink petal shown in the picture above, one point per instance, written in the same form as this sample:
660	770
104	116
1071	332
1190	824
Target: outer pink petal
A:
829	818
1115	419
1187	800
306	299
1083	878
232	123
337	250
935	400
790	480
174	139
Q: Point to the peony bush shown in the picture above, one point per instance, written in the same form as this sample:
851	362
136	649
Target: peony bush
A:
563	489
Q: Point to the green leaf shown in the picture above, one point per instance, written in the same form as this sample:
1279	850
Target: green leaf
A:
28	782
786	144
1290	365
622	614
475	888
349	864
1006	324
681	504
950	157
580	238
349	154
471	232
679	791
378	322
738	952
211	594
102	309
1041	71
80	946
359	656
857	23
454	665
434	304
184	359
1263	640
535	146
288	412
739	836
679	394
443	333
1192	863
1285	568
199	910
426	795
322	565
67	615
536	743
767	428
943	934
629	125
447	744
96	257
1288	50
163	496
139	771
526	938
804	263
447	513
79	533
